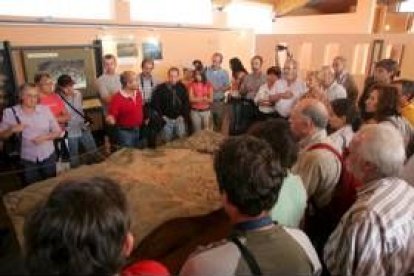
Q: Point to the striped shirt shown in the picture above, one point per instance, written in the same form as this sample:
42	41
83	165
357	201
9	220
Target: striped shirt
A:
376	235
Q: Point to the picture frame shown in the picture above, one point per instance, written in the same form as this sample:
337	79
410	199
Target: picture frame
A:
127	53
152	49
78	62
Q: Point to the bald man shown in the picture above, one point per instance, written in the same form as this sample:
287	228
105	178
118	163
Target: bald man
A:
289	89
319	169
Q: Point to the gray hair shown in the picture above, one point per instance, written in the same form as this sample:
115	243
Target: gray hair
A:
383	146
24	88
328	69
316	112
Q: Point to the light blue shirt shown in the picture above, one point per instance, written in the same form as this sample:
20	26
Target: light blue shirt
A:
76	123
291	203
218	78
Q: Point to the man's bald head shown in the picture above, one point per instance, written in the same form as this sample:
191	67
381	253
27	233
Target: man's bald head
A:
315	111
308	117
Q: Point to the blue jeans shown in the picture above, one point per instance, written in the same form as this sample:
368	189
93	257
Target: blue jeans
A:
200	119
173	128
40	170
128	138
88	144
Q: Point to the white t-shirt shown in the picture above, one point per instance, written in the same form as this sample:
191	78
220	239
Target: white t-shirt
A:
336	91
284	106
263	95
342	137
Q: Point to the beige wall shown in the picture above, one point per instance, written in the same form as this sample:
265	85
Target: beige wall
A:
359	22
180	46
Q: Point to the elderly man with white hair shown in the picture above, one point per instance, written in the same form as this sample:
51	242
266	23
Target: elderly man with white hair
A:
334	90
376	235
319	168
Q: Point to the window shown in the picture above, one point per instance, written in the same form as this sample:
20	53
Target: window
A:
197	12
77	9
407	6
250	15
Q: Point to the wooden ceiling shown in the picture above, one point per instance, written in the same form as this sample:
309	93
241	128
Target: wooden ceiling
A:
302	7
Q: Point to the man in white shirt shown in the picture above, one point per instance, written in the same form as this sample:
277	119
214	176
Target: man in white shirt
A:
334	90
289	89
266	108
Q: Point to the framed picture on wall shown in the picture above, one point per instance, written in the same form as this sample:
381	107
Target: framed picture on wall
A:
78	62
152	49
127	53
376	54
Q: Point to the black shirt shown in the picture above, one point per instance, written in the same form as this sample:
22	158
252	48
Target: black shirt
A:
171	100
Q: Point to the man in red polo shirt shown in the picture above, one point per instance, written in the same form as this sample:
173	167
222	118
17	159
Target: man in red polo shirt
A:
125	111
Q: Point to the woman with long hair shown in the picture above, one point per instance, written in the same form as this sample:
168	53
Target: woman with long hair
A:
201	97
384	103
238	72
384	73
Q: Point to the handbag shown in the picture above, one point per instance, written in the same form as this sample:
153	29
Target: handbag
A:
12	146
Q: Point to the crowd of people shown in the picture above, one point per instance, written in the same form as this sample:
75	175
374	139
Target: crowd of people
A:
318	178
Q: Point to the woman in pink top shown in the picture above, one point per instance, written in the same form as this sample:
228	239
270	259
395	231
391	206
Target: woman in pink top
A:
49	98
201	97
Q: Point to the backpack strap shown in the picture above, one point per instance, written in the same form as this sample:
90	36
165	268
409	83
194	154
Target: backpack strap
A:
327	147
82	115
15	115
247	256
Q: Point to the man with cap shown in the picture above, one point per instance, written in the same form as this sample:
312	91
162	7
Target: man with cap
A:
78	125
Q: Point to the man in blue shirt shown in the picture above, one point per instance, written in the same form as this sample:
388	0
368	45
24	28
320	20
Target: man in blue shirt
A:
219	79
